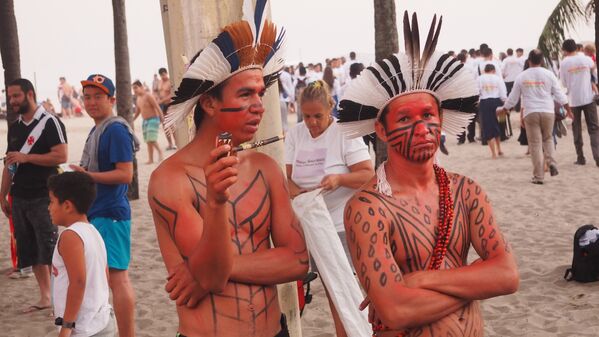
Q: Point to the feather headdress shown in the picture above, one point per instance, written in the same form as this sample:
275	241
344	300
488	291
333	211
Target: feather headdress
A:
436	73
252	43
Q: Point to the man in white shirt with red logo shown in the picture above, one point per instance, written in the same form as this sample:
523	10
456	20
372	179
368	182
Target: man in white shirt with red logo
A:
575	73
539	88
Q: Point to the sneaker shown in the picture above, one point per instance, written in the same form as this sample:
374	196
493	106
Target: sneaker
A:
580	161
537	181
553	170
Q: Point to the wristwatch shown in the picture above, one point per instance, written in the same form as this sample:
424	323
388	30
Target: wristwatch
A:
60	322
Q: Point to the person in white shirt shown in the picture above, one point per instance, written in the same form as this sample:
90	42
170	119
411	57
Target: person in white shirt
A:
539	88
347	65
318	156
511	67
575	73
492	95
286	95
520	56
79	263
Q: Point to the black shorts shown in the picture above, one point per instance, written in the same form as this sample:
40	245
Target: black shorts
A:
283	333
34	232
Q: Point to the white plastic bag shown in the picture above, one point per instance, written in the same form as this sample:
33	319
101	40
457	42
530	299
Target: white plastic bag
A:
334	269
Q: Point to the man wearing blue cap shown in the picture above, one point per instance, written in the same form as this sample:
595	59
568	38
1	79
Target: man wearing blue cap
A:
108	159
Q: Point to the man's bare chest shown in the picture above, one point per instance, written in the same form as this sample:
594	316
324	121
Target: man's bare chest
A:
249	209
412	226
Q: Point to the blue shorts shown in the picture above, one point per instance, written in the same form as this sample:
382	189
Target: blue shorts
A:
117	238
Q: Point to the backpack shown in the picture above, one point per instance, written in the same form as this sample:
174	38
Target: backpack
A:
585	262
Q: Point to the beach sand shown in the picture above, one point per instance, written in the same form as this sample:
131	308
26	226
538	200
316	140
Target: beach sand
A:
538	220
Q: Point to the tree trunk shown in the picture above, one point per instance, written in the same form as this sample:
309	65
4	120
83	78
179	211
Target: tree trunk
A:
124	99
9	49
385	44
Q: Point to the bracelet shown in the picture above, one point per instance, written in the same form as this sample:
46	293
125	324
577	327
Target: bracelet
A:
61	322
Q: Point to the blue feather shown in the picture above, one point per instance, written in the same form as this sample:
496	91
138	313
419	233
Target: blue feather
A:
276	46
226	46
258	13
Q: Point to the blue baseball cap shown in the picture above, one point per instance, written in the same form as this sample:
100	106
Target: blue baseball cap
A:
99	81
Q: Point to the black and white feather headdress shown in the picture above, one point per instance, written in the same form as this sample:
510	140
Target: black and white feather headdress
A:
252	43
436	73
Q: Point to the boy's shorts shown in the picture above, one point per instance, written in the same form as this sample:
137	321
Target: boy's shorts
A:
117	239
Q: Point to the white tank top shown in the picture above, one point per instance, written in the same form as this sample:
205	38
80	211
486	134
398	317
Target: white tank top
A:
94	312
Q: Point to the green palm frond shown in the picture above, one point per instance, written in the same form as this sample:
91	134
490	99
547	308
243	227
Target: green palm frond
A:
564	17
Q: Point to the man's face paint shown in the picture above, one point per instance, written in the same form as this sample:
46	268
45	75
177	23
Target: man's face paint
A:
242	108
413	126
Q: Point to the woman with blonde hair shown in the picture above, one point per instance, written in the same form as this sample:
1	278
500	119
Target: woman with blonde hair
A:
318	156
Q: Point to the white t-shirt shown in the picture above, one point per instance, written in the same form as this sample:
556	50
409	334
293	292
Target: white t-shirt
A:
512	67
491	86
575	72
538	88
314	158
94	312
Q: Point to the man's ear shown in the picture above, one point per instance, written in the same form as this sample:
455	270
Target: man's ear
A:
112	100
381	132
207	104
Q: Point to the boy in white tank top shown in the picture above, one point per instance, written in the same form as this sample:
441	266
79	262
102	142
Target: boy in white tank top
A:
79	266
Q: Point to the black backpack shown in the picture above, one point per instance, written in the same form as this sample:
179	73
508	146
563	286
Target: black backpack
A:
585	262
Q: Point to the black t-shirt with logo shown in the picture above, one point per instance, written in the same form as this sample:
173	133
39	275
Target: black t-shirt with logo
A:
30	179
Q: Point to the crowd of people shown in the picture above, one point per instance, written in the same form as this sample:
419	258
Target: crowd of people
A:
224	218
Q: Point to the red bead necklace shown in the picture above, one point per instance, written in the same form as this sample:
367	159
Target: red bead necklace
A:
444	231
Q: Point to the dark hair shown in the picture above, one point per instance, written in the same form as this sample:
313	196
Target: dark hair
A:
352	55
483	46
198	111
25	85
510	51
472	51
535	57
162	71
302	70
77	187
355	69
451	53
328	77
487	52
461	57
137	83
489	68
579	46
569	45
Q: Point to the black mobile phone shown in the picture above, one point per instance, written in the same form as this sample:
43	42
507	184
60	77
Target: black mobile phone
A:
224	138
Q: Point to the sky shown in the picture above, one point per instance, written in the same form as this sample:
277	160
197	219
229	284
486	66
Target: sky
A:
74	38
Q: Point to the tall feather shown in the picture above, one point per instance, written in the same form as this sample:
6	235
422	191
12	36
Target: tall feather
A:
429	48
241	35
416	49
267	41
407	35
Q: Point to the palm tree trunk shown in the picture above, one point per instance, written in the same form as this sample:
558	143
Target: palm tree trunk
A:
124	99
9	49
385	44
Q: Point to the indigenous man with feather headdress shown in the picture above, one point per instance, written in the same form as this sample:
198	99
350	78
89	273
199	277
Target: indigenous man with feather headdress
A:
215	213
411	227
